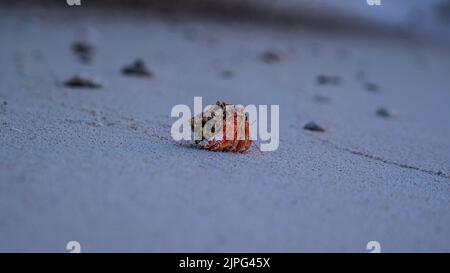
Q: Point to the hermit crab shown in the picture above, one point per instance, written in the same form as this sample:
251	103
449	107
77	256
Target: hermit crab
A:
222	128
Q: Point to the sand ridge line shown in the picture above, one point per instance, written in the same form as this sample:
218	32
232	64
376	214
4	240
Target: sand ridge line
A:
386	161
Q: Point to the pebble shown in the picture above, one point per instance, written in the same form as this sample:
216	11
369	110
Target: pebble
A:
322	99
384	113
137	68
270	57
328	80
80	82
372	87
312	126
83	50
226	74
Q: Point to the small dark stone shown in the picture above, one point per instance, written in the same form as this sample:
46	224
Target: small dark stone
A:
270	57
133	127
328	80
95	124
226	74
79	82
84	51
322	99
372	87
312	126
384	113
137	68
5	103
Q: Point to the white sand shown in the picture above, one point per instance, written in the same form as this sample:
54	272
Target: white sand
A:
125	186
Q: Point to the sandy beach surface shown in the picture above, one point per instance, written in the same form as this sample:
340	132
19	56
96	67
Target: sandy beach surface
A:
99	166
